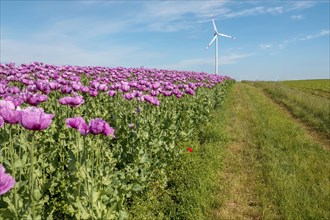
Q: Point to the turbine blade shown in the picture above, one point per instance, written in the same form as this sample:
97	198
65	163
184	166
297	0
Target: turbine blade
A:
224	35
215	27
215	36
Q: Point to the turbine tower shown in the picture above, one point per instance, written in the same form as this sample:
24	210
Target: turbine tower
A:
215	38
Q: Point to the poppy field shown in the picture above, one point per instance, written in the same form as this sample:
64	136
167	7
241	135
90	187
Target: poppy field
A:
81	142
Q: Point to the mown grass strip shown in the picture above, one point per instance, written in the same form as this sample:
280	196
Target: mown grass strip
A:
295	170
310	109
242	193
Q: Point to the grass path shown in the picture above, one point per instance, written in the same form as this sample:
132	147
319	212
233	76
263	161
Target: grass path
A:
273	168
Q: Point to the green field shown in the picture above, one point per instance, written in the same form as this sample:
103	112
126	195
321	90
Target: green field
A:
319	87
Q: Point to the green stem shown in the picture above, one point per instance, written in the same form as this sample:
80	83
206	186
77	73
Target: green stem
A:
43	165
12	159
79	156
88	189
92	179
31	184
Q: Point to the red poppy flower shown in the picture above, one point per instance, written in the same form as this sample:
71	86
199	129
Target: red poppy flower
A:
189	149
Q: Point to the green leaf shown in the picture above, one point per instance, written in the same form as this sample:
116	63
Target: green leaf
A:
137	187
36	194
123	215
82	213
6	214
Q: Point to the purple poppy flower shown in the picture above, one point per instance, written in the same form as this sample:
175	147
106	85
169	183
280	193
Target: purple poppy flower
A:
93	93
36	99
35	119
128	96
6	181
83	129
72	101
99	126
78	123
190	91
166	93
16	100
108	130
42	85
156	85
112	93
25	81
94	84
3	89
84	89
14	90
9	115
7	104
54	85
102	87
96	126
137	94
66	89
75	122
31	88
179	95
154	93
152	100
76	86
124	87
169	87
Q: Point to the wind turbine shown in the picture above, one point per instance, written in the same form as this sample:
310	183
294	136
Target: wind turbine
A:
215	38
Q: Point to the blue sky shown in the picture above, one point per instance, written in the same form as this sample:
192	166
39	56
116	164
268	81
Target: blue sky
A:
276	40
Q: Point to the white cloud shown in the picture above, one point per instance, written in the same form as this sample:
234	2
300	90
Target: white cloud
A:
297	17
79	28
71	54
247	12
300	5
172	16
313	36
177	9
275	10
233	58
258	10
201	63
304	38
265	46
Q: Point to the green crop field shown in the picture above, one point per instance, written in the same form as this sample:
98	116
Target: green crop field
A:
319	87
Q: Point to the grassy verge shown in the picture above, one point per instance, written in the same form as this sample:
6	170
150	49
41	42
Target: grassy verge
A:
192	180
310	109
